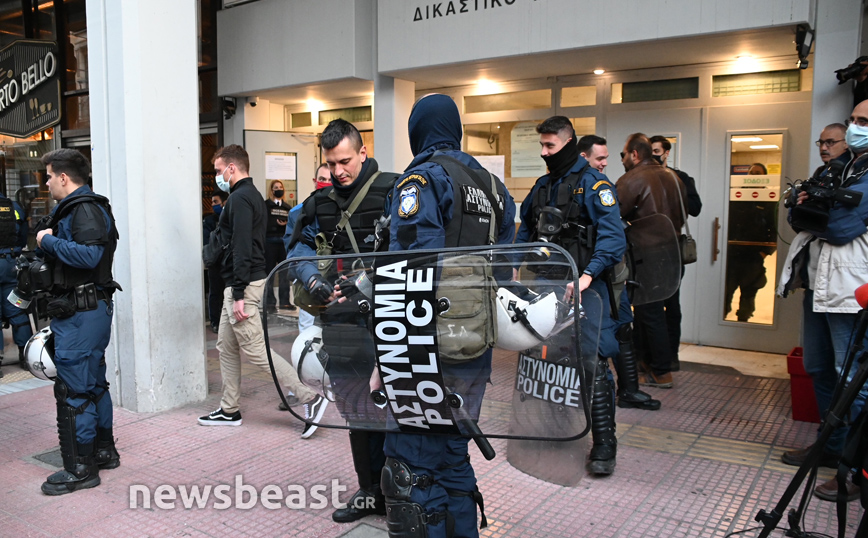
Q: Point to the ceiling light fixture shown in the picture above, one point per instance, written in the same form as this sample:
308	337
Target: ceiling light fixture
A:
766	146
747	139
599	71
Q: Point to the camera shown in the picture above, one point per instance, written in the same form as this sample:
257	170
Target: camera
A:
34	276
823	191
851	72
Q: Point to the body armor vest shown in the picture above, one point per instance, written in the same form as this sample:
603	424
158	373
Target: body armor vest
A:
578	233
363	220
473	204
8	226
84	210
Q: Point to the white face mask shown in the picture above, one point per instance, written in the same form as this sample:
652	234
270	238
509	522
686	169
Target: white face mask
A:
857	138
223	181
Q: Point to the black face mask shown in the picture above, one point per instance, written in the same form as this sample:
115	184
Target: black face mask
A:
278	194
561	162
658	158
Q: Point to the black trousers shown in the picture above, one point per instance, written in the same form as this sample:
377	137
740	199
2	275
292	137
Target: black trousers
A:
274	254
215	296
651	337
673	319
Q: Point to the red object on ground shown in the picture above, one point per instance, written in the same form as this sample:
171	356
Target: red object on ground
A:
801	389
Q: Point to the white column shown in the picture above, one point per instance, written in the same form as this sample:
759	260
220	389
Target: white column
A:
393	101
142	57
837	43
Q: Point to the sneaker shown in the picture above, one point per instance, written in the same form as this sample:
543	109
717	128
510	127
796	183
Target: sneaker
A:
662	381
291	399
221	418
313	411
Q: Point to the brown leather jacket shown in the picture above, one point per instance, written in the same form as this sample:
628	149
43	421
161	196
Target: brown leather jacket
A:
648	189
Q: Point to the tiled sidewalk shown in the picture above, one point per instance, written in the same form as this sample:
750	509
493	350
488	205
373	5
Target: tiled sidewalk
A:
702	466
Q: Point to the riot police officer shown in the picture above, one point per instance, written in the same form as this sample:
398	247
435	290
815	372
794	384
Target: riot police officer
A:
79	244
433	207
358	188
594	236
13	238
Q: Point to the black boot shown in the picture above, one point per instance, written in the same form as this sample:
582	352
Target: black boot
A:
629	394
602	460
368	459
106	456
79	472
22	361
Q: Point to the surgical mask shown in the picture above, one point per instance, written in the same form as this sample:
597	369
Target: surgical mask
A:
857	137
223	182
217	209
278	194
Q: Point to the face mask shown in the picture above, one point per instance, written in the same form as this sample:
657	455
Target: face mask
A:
857	137
217	209
658	158
223	181
278	194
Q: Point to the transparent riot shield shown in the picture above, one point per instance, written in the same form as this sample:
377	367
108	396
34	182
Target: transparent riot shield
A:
410	340
655	259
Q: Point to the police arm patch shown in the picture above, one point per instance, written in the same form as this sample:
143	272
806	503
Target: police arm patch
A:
601	182
413	177
607	198
409	205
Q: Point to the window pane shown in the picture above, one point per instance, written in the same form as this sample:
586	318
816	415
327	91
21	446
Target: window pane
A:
301	119
76	52
527	100
77	112
756	83
660	90
11	22
579	96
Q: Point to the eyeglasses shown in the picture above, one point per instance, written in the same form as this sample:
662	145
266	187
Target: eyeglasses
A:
828	143
861	122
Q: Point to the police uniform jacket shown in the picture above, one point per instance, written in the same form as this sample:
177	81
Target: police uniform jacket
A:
242	225
81	248
599	206
649	189
12	246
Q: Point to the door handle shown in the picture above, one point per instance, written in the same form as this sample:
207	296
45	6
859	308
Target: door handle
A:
715	249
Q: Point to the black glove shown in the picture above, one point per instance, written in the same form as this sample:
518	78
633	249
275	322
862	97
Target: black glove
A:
320	289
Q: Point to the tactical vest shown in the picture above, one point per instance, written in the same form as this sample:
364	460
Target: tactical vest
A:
328	213
472	207
8	224
85	211
578	234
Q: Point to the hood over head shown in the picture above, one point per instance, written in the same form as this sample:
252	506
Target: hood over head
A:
434	121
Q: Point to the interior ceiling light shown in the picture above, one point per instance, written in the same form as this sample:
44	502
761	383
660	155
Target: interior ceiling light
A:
487	86
746	64
766	146
747	139
599	71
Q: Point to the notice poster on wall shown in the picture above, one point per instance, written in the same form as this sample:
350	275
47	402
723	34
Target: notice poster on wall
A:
280	165
493	163
524	141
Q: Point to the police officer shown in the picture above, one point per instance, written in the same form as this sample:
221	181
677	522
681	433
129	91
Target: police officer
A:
432	209
13	238
359	188
594	236
79	244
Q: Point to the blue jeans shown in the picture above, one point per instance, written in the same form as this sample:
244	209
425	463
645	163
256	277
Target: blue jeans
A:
826	343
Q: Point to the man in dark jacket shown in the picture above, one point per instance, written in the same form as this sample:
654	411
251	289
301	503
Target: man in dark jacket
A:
242	227
649	189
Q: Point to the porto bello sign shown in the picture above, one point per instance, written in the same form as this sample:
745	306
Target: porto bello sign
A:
29	87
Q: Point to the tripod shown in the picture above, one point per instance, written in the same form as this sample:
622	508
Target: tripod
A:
833	420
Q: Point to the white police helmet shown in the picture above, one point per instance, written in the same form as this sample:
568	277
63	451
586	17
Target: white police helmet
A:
524	324
39	355
309	360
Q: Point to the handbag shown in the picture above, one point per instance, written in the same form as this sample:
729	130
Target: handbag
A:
685	241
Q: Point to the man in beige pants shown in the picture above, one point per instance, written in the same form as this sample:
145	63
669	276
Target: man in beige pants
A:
242	227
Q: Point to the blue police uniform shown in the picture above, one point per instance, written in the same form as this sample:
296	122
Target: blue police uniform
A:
17	318
80	342
423	204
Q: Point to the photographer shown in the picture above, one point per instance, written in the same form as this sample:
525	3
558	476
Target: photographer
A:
830	263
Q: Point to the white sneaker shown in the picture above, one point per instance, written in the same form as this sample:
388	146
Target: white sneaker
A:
313	411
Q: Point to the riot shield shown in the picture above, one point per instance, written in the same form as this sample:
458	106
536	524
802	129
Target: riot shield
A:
655	259
406	344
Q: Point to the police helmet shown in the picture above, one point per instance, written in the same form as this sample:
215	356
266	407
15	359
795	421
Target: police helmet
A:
523	324
38	355
310	361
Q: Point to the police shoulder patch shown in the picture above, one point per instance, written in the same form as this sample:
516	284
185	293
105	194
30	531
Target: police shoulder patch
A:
409	201
607	198
413	178
601	182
